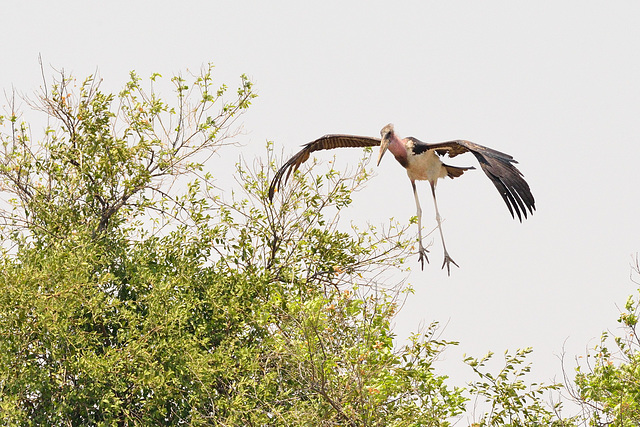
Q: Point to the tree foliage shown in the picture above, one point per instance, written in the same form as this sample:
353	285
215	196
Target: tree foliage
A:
123	301
609	387
134	292
511	401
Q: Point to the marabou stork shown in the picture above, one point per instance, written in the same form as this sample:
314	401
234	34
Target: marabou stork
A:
422	162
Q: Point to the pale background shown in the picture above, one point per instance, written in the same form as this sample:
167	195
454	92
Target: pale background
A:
555	84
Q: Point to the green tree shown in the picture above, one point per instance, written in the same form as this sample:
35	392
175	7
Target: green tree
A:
134	292
126	302
101	320
510	400
609	387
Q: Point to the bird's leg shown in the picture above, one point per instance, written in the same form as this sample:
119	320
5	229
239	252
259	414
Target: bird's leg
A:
422	252
447	259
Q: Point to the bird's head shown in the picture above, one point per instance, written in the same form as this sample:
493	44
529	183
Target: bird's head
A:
386	134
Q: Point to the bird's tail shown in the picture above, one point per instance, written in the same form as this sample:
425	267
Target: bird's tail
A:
456	171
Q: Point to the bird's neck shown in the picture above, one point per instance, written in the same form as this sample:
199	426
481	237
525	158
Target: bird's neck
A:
397	148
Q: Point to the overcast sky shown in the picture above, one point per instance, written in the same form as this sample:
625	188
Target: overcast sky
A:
555	84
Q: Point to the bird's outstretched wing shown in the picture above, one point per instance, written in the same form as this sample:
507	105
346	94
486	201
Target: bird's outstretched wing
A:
326	142
498	166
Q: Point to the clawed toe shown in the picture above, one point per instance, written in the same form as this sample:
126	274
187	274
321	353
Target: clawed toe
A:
448	261
422	256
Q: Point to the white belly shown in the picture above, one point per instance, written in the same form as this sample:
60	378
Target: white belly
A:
426	167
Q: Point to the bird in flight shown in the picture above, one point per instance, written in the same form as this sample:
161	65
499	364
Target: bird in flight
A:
422	162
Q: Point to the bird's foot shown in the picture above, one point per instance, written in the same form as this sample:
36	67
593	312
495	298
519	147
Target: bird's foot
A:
422	255
448	261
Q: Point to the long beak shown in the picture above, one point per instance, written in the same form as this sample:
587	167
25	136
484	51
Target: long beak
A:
384	144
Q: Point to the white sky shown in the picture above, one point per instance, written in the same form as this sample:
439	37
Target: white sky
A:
555	84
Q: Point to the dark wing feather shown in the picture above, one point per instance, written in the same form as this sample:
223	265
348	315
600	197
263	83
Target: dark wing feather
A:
500	169
327	142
